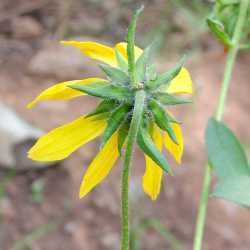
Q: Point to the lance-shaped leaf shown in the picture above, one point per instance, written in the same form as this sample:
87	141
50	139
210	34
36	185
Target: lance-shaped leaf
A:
105	90
167	99
141	64
162	119
114	122
148	147
121	61
166	78
117	76
122	135
218	30
104	107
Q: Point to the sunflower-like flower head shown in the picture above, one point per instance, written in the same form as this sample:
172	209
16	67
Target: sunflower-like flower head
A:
124	65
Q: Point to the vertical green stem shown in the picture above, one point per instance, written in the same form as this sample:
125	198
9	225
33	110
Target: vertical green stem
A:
135	123
133	130
231	57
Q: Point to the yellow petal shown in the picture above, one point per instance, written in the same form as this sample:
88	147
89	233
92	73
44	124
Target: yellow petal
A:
182	83
174	149
122	47
61	91
152	178
61	142
95	50
100	166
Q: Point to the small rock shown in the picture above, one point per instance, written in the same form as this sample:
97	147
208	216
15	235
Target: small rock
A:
26	27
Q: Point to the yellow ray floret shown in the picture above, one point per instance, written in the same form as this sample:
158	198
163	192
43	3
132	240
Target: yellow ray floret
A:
182	83
61	142
173	148
152	178
102	52
100	166
61	91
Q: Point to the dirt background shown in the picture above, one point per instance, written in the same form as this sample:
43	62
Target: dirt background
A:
40	209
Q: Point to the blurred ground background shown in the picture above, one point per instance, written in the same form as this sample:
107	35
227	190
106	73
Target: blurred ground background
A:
40	209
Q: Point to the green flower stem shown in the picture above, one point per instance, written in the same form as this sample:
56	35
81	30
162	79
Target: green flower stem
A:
134	127
231	57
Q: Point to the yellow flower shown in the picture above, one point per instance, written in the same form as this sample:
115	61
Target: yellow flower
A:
61	142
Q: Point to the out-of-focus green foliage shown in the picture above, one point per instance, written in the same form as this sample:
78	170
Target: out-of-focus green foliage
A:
223	19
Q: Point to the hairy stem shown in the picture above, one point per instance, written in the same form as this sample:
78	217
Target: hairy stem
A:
134	126
231	57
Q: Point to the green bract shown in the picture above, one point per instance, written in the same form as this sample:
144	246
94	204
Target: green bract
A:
118	94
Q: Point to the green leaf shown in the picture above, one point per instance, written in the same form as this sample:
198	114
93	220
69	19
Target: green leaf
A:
166	78
115	120
162	119
225	151
141	64
131	43
148	147
234	189
217	28
117	76
122	135
103	107
122	63
167	99
105	90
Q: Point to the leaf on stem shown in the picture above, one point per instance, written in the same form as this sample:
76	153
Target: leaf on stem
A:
217	28
229	161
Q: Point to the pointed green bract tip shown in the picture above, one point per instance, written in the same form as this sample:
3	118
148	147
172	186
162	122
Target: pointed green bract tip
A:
139	10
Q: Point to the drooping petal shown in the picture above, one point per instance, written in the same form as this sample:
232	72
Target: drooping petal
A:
61	142
182	83
61	91
100	166
152	178
173	148
122	47
95	50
